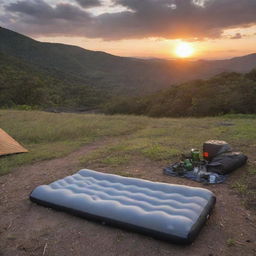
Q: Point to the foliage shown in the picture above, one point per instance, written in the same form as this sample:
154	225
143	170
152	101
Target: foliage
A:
226	93
22	84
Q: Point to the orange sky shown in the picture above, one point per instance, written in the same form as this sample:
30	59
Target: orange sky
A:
162	48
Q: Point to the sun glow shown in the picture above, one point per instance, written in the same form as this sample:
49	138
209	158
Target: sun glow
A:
184	50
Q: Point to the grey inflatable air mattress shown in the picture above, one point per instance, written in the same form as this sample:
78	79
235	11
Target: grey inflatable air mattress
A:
171	212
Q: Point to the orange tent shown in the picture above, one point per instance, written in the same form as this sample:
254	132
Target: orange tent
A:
8	145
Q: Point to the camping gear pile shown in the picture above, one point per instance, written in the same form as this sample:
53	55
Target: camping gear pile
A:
218	160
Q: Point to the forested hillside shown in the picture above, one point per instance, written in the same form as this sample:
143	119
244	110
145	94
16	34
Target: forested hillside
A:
23	84
97	69
222	94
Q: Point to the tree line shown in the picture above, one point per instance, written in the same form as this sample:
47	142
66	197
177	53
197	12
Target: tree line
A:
222	94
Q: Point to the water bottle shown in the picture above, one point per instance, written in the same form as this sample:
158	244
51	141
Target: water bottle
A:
212	179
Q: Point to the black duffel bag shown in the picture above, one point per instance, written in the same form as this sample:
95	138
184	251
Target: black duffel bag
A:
226	162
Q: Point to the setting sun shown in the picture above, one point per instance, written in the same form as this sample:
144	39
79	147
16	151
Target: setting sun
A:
184	50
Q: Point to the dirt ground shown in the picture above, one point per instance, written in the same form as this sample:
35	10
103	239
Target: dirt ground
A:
30	229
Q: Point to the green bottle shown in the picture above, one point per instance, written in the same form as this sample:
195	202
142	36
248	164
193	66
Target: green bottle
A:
195	154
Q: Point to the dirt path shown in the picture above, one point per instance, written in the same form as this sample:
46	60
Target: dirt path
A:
29	229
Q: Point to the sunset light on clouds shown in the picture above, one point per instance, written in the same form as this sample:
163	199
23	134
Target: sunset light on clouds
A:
214	28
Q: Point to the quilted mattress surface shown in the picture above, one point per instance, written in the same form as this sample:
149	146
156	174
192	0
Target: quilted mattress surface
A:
166	211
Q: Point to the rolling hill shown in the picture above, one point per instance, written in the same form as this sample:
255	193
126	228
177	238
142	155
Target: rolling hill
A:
103	69
66	72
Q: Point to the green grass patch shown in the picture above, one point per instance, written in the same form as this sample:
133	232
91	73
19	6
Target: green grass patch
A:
116	160
161	139
240	116
231	242
159	152
50	135
127	174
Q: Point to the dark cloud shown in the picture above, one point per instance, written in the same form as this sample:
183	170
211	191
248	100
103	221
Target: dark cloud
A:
197	18
89	3
41	10
185	19
40	18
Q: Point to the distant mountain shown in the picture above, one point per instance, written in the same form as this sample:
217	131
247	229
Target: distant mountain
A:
90	67
121	75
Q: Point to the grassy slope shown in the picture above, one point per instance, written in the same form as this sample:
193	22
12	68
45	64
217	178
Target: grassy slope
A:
49	135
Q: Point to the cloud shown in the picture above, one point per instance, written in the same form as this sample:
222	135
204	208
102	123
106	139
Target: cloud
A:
41	10
236	36
190	19
89	3
40	18
186	19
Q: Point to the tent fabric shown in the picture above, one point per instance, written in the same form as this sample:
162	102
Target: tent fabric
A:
8	145
165	211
